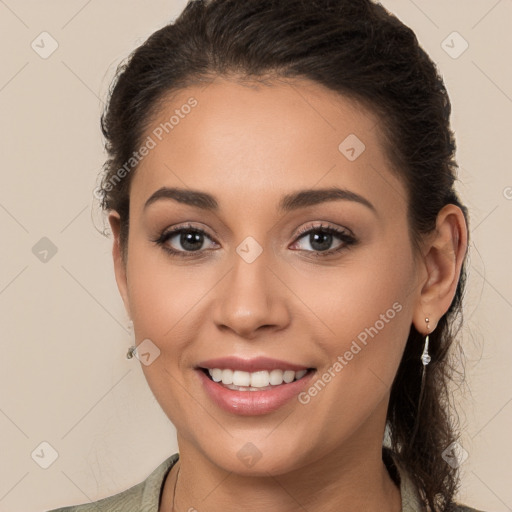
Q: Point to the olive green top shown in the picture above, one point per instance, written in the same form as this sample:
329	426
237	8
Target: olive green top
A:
145	496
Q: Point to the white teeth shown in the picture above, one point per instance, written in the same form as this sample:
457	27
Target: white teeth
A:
288	376
227	376
300	374
241	378
216	374
260	379
276	377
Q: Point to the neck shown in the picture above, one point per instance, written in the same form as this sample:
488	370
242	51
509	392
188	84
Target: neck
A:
344	480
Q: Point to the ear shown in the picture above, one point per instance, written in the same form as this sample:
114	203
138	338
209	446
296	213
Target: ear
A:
443	255
119	265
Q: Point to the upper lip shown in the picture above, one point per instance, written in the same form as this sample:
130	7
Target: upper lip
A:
250	365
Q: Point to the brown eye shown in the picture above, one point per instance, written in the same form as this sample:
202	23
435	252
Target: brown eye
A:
320	239
186	241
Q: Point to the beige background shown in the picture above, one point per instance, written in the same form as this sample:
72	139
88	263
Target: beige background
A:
64	378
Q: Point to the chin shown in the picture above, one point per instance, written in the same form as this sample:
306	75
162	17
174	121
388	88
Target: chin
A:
249	460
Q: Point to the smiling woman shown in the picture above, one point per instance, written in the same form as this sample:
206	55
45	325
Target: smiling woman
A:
291	251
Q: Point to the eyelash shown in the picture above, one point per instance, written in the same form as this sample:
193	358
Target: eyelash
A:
344	235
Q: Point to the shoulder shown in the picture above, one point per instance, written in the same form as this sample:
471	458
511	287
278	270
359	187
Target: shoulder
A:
141	497
120	501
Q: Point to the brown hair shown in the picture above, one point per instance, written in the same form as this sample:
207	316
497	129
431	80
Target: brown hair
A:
358	49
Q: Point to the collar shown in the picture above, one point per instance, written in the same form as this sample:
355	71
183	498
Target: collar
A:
411	501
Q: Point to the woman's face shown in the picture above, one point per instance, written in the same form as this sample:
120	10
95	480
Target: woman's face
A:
267	278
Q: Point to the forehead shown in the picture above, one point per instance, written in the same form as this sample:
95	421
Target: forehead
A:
243	142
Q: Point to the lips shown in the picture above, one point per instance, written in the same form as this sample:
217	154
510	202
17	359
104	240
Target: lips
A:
252	401
225	380
250	365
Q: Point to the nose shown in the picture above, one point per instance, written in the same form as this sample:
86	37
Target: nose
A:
251	299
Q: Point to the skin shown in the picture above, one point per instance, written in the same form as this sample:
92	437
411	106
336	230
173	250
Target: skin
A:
248	145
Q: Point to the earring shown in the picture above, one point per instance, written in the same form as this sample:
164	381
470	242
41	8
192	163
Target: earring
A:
425	358
131	350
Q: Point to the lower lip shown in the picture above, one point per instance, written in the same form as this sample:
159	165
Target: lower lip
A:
250	403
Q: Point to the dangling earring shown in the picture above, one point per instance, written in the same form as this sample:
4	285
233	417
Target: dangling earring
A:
131	350
425	358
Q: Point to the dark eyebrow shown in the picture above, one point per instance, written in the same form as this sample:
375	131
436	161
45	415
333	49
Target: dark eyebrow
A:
289	202
186	196
311	197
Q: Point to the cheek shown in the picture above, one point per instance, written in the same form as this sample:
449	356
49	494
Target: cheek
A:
358	290
162	293
365	310
162	299
368	313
